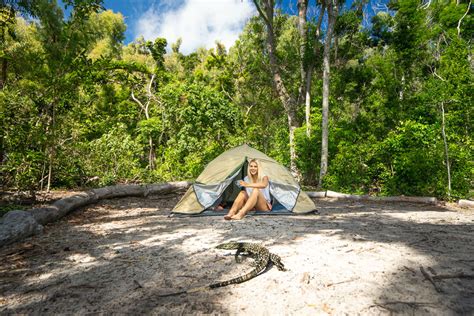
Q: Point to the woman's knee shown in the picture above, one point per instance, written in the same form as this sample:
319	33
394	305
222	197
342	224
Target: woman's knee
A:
241	197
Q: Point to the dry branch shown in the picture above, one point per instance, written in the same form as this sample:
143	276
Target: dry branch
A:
18	224
341	282
337	195
430	278
317	194
413	305
460	275
466	203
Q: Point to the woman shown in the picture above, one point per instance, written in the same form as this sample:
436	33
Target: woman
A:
256	195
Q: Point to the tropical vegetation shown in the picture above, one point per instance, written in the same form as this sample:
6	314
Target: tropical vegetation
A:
351	102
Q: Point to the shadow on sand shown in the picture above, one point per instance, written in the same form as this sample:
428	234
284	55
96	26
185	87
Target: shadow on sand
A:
118	255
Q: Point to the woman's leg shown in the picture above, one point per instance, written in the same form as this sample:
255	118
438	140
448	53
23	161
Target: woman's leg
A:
237	205
256	200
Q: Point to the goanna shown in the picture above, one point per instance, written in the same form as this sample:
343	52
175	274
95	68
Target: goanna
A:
259	253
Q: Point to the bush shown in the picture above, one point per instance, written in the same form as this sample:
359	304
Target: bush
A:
413	157
114	157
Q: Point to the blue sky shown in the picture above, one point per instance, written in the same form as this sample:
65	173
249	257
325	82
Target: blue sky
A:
200	23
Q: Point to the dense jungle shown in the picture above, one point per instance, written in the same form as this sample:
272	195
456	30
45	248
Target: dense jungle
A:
353	102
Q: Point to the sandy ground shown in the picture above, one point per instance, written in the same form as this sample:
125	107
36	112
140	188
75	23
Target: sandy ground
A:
115	257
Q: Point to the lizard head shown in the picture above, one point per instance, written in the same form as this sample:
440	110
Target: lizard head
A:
229	245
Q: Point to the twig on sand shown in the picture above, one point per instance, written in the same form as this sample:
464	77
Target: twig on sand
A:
87	286
125	259
182	312
460	275
346	281
410	269
433	272
430	278
139	286
44	286
413	305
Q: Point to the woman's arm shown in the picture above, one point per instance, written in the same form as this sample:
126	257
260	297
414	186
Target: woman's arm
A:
257	185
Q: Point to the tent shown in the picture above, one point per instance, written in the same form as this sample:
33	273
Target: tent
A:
216	184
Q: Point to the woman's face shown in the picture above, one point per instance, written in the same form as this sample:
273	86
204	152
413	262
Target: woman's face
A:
253	168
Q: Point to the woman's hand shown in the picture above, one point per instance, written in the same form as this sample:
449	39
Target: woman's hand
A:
243	183
258	185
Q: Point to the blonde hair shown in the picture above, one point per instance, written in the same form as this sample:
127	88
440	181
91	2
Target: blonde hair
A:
259	171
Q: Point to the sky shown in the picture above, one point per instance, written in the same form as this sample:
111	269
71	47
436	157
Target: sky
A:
199	23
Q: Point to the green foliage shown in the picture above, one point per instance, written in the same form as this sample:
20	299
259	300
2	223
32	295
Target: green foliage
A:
157	50
410	33
22	139
66	104
200	123
414	160
381	24
114	157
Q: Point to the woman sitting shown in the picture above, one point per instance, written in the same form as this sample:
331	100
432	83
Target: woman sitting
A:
256	195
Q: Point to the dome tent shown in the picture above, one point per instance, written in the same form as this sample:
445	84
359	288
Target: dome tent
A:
217	183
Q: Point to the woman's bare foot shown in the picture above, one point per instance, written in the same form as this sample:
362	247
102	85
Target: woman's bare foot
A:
218	208
238	216
229	215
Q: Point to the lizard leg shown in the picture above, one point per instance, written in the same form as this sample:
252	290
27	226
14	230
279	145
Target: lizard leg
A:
257	262
240	252
276	260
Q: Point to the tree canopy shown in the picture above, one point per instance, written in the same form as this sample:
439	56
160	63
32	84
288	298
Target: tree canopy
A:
78	107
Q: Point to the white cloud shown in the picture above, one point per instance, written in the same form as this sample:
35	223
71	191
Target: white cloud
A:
200	23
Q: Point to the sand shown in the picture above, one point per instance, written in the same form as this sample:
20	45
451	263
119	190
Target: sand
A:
117	256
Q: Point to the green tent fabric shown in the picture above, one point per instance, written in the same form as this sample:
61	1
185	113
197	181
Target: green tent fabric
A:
217	183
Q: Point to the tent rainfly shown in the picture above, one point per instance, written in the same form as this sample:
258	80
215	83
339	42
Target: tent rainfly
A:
216	184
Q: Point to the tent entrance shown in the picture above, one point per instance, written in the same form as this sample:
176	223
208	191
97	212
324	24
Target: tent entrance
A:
225	193
216	184
230	193
210	195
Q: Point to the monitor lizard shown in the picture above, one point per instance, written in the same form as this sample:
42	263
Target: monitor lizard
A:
259	253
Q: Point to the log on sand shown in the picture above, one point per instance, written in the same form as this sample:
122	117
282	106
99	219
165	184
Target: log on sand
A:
19	224
344	196
466	203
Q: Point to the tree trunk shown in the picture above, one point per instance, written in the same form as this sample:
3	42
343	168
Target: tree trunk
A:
443	131
19	224
51	144
151	154
309	73
50	172
145	108
326	79
43	171
289	103
302	29
460	20
307	101
3	75
3	79
305	69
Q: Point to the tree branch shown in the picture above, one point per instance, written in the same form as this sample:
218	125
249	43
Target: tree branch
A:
441	78
459	23
149	85
260	11
138	102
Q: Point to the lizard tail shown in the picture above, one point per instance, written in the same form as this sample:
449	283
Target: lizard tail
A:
172	294
196	289
237	280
